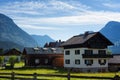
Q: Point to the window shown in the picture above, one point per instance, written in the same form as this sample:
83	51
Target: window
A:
46	61
37	61
67	61
102	52
88	62
77	61
67	52
77	52
88	52
102	61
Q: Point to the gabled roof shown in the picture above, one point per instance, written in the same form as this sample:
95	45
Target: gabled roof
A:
38	50
30	50
12	52
82	38
78	39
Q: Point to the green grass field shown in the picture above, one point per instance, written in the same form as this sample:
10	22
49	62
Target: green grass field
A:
44	70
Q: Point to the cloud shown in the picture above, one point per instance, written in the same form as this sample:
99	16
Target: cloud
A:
39	27
112	5
17	11
52	7
75	12
58	5
88	18
22	7
68	5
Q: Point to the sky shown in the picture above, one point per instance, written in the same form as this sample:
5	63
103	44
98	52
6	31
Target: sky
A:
61	19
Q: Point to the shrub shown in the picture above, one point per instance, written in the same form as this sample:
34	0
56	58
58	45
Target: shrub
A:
1	60
12	61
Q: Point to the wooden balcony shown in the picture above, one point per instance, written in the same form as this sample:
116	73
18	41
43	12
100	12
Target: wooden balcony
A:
97	55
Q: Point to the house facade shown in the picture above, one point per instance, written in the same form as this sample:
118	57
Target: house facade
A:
12	52
43	57
87	52
8	54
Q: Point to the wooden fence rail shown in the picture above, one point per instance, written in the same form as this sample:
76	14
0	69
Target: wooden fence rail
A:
14	76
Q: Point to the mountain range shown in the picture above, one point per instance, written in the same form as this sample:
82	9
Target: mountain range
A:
41	40
11	36
112	32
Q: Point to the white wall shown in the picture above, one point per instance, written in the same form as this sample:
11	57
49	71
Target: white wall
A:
82	64
6	58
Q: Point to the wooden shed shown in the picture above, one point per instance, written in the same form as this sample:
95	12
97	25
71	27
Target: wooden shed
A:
114	63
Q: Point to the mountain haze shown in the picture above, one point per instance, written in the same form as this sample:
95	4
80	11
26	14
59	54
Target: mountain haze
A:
41	40
112	32
11	34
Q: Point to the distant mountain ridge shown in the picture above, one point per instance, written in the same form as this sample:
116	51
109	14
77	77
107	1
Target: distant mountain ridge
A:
13	35
112	32
41	40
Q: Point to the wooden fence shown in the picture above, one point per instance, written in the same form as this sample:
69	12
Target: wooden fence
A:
14	76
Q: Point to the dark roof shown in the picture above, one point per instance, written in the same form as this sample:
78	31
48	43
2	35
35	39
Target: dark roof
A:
116	54
82	38
38	50
78	39
1	51
54	44
115	59
30	50
12	52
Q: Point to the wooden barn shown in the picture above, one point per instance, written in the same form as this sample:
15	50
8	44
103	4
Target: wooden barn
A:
43	57
114	63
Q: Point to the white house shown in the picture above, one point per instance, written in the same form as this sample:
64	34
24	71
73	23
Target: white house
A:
87	52
12	52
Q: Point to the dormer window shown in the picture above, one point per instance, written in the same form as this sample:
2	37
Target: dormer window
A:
36	49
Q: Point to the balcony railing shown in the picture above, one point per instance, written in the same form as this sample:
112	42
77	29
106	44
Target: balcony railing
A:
97	55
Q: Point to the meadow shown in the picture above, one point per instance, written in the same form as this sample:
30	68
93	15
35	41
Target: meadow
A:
49	70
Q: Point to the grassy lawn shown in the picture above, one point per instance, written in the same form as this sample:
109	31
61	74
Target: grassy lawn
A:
43	70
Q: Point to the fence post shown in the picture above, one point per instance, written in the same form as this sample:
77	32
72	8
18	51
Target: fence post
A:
12	75
35	76
116	77
68	75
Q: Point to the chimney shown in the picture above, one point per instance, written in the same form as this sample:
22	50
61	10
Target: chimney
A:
59	41
86	34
